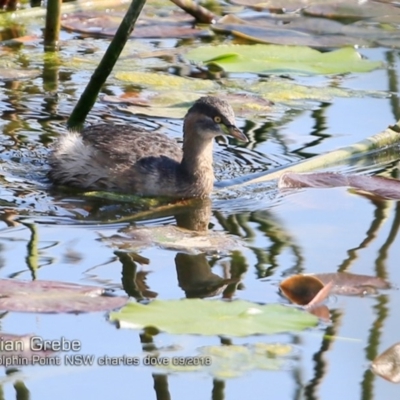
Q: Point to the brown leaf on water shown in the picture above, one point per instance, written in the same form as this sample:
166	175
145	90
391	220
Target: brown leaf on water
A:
345	283
100	24
387	364
384	187
308	291
18	350
321	311
301	289
321	295
311	290
55	297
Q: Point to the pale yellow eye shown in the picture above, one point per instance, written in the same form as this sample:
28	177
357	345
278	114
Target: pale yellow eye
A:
217	120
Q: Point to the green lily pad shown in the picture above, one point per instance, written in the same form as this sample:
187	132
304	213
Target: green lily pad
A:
224	362
166	82
261	58
194	316
175	103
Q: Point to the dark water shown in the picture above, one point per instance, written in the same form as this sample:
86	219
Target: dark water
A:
54	235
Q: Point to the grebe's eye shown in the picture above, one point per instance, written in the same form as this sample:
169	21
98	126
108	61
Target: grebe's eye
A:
217	119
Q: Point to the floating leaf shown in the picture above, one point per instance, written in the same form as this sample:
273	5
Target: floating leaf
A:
320	296
166	82
175	238
301	289
261	58
351	11
308	291
175	103
384	187
349	284
283	35
387	364
55	297
233	361
99	23
193	316
18	350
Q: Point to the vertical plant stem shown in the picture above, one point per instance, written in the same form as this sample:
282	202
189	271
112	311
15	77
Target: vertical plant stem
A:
53	23
89	96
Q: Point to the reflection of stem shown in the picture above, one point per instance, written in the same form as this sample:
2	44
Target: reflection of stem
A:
319	127
320	364
380	216
393	83
22	392
50	80
161	387
218	390
280	239
381	311
382	254
32	259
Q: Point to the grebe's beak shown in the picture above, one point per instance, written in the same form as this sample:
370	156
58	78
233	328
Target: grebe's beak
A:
237	133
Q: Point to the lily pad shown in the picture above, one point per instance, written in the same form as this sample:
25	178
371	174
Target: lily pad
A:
283	35
233	361
55	297
261	58
224	362
175	103
345	283
18	350
351	10
302	289
165	81
200	317
99	23
175	238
